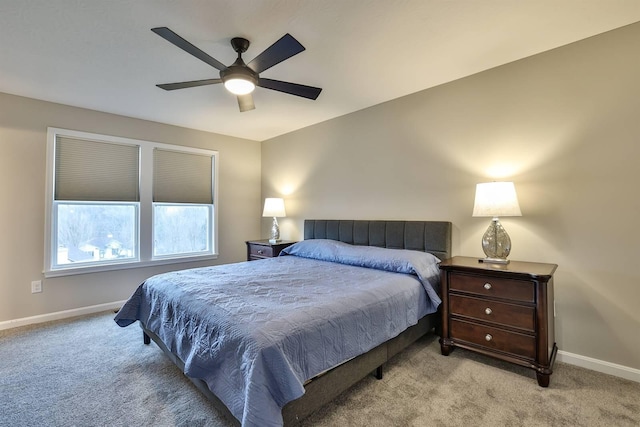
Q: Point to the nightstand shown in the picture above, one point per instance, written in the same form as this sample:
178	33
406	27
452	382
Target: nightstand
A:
503	311
259	249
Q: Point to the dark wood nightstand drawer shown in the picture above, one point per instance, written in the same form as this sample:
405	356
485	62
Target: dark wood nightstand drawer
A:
260	251
487	310
517	290
521	345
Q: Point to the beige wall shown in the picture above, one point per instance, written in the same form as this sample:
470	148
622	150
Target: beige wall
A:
23	130
563	125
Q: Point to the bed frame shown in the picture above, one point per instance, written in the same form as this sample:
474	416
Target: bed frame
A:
427	236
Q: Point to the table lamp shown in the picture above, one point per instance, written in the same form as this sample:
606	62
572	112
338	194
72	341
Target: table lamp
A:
496	199
274	207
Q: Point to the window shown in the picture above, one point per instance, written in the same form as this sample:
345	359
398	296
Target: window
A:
182	200
119	203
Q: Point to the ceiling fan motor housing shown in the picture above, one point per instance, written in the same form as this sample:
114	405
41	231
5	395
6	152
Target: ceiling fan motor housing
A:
239	70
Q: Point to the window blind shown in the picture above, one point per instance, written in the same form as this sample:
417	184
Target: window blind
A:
180	177
96	171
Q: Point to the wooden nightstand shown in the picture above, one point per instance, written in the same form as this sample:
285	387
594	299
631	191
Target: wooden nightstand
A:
503	311
259	249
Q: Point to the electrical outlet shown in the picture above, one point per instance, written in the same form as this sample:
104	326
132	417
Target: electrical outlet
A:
36	286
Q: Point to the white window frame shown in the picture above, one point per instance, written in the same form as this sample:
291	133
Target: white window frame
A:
145	209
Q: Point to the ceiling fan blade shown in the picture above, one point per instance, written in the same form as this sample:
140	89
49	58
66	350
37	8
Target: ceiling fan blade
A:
245	102
283	49
172	37
290	88
184	85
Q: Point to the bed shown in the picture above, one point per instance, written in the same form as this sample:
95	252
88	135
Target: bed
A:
271	341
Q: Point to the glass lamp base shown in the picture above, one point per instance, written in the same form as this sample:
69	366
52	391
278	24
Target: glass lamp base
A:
275	231
496	243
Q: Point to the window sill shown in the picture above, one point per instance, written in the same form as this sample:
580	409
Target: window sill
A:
125	266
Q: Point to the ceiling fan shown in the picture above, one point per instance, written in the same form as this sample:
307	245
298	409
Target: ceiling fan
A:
240	78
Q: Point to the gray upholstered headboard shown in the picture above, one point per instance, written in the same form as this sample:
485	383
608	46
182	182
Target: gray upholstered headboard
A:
427	236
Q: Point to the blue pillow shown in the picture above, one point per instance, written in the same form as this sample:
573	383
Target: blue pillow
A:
422	264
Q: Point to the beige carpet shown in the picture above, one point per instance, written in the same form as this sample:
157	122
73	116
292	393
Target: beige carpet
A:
423	388
90	372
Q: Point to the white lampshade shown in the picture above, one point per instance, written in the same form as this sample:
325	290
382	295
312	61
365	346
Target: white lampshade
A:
274	207
495	199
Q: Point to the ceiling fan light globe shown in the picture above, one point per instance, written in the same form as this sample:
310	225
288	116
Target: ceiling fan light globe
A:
239	86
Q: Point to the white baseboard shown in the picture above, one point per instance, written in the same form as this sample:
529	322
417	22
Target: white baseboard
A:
599	365
8	324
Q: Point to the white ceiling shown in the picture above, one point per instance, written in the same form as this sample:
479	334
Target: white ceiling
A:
101	54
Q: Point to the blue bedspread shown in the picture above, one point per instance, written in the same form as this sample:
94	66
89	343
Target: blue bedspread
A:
256	331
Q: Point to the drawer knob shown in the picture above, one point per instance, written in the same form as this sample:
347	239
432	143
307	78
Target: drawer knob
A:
488	337
260	252
488	311
487	286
